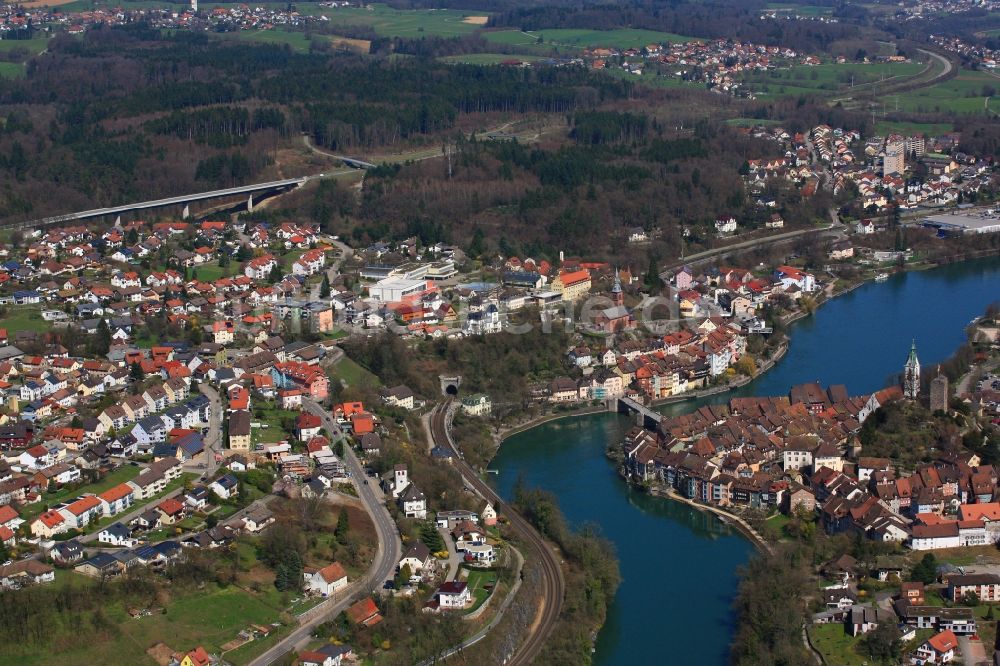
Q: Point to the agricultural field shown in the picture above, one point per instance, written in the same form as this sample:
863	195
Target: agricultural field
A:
28	47
11	70
389	22
623	38
752	122
650	79
299	41
339	43
33	46
800	10
829	78
929	129
969	92
489	58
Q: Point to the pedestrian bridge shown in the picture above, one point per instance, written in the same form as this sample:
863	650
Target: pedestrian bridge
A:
645	417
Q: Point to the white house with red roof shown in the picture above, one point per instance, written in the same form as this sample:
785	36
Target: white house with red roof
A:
37	457
327	580
49	524
789	276
9	518
260	268
308	426
117	499
80	513
310	263
938	649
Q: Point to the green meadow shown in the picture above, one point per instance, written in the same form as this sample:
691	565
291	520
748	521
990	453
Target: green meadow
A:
969	92
623	38
489	58
829	78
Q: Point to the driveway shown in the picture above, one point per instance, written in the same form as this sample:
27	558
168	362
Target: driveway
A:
973	652
213	441
454	558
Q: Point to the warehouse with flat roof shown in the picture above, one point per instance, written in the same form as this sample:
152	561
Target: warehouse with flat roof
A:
986	222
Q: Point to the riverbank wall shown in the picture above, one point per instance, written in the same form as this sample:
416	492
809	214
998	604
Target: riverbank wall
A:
729	518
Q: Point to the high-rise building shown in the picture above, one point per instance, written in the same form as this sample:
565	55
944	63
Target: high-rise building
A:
894	161
911	374
915	146
939	393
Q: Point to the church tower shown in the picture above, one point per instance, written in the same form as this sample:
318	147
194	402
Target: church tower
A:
911	374
616	291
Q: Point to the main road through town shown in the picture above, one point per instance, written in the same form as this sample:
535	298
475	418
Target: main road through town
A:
553	584
381	568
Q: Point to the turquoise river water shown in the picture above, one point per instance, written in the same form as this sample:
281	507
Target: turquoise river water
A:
679	565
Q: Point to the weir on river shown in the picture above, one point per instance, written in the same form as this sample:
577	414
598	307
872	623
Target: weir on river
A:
679	565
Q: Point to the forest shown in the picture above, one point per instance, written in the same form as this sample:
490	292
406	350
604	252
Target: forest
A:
618	170
592	576
129	112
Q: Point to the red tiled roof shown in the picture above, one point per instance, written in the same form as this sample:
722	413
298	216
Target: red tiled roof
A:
7	514
364	612
332	572
51	518
83	505
116	493
944	641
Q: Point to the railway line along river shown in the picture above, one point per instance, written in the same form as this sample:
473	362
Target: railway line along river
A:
679	564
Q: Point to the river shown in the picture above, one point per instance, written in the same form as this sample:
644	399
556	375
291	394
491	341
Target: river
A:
679	565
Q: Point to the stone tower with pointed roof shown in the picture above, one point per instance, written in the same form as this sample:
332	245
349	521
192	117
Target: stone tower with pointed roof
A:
616	291
911	374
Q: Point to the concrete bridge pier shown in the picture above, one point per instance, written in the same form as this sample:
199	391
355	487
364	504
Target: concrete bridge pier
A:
118	221
250	204
186	213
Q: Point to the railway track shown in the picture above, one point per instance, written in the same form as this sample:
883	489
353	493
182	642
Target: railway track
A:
552	585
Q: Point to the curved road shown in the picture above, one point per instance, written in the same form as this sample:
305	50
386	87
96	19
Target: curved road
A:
553	585
699	257
382	567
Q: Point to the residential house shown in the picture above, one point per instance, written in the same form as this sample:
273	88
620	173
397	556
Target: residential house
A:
327	580
938	649
239	429
116	534
417	557
454	595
